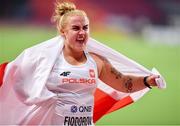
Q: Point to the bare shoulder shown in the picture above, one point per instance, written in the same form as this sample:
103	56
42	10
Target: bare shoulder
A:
99	61
96	57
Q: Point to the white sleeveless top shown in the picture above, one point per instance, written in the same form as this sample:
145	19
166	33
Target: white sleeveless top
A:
74	86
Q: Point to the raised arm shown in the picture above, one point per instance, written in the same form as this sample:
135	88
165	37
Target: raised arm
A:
124	83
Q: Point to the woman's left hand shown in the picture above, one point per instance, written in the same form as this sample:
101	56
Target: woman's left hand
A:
151	80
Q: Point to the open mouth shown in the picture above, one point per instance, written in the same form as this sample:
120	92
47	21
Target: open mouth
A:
81	40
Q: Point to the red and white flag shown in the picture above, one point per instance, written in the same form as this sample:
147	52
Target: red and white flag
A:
24	98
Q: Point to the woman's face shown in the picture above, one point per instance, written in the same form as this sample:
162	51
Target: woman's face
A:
76	32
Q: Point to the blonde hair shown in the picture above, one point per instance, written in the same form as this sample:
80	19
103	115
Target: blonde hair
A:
62	11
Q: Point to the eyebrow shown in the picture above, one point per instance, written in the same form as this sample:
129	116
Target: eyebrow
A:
78	25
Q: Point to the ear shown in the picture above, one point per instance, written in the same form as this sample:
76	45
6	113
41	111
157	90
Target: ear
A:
61	31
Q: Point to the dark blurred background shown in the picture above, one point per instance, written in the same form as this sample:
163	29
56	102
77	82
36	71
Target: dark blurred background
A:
154	11
128	16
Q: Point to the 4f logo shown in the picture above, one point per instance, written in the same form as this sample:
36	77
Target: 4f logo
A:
66	73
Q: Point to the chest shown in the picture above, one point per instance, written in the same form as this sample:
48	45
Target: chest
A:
65	73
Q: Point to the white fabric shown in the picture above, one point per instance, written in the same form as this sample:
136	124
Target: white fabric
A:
74	87
123	64
161	84
24	98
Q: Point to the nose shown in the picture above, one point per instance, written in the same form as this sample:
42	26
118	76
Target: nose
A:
81	32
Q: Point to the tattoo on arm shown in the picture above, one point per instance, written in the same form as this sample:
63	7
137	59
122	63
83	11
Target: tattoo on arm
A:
116	73
129	85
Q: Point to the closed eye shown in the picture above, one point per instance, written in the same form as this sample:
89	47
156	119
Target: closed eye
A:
75	28
85	27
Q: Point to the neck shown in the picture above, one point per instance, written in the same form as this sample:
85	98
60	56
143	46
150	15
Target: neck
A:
69	52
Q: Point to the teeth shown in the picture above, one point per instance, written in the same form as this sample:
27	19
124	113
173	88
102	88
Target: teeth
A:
80	39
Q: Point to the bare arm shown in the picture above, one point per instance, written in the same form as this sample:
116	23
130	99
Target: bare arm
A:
124	83
119	81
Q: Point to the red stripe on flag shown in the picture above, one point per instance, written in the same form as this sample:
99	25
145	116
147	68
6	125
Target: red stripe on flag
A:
2	69
105	104
121	103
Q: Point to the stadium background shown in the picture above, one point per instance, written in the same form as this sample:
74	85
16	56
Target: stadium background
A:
146	31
